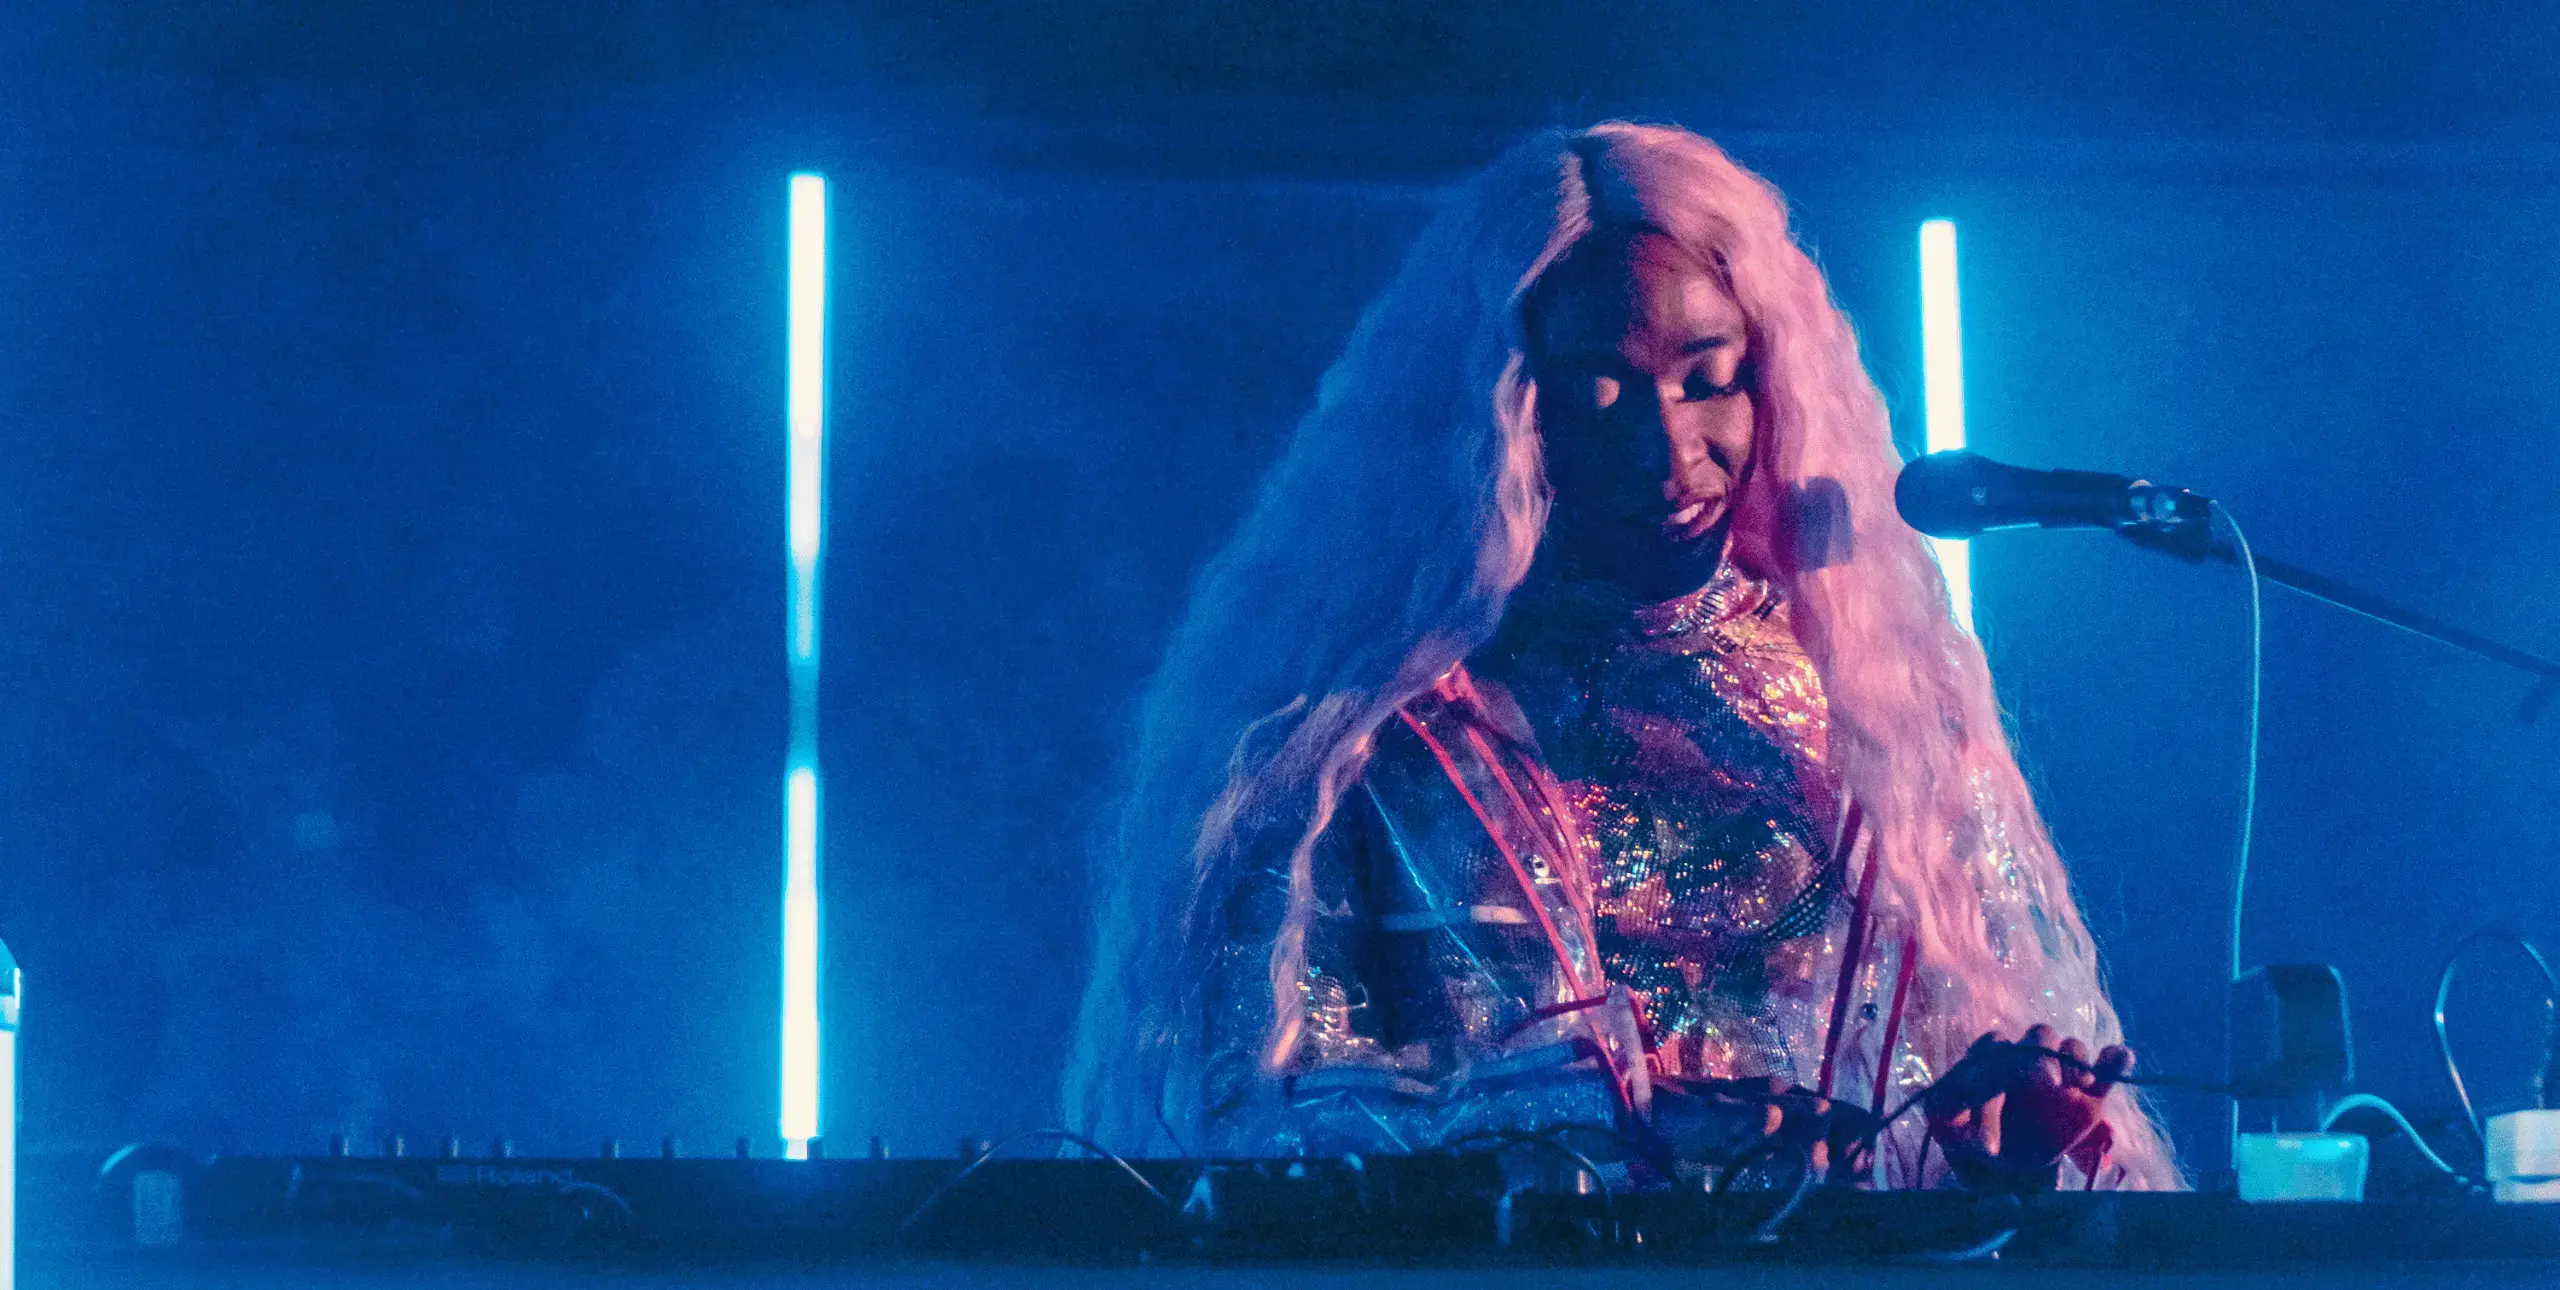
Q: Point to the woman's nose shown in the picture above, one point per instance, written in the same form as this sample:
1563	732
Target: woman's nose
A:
1682	444
1655	450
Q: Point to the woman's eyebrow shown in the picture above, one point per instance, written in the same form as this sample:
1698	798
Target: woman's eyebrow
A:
1597	357
1593	357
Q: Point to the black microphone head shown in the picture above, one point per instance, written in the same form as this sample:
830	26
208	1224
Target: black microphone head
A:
1962	495
1945	494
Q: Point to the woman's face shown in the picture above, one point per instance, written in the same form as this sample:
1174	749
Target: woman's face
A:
1642	362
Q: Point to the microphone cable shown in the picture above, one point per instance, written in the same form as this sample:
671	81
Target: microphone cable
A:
2248	783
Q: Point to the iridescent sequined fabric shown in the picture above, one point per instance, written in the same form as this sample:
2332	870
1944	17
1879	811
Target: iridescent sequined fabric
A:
1656	815
1452	913
1693	751
1641	799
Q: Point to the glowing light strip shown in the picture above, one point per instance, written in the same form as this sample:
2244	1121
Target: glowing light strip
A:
808	404
1942	370
800	962
11	992
805	530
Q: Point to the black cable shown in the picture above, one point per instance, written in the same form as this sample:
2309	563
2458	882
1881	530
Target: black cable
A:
2187	1082
1170	1136
1553	1139
1866	1141
2550	1022
1980	1250
1768	1148
952	1184
1634	1146
2069	1062
2368	1102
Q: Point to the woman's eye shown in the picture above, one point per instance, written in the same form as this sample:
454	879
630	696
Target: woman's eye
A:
1698	386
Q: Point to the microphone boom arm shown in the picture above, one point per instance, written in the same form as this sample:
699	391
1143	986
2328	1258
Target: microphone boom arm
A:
2181	542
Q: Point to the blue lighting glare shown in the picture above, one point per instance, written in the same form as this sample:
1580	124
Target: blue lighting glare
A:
804	539
1942	366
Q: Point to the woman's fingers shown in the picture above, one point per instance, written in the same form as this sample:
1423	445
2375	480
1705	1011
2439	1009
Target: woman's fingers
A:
2113	1064
1985	1069
2080	1073
2045	1072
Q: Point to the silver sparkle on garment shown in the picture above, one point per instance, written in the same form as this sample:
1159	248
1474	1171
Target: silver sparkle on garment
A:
1650	808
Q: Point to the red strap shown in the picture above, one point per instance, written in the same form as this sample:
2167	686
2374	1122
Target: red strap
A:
2090	1154
1893	1022
1853	954
1551	1012
1519	871
1493	766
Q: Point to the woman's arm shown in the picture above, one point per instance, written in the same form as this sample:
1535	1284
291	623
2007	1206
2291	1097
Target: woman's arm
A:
1251	1102
1387	1054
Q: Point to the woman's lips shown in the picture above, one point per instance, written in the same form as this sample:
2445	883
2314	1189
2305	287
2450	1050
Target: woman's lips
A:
1695	520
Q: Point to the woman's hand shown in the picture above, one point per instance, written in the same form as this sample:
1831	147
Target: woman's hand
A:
2013	1109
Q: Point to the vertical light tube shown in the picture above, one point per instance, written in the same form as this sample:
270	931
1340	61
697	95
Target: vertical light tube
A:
1942	373
804	523
9	997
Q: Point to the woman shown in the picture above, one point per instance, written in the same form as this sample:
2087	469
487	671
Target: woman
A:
1573	735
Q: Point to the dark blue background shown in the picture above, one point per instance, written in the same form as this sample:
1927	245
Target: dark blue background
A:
391	688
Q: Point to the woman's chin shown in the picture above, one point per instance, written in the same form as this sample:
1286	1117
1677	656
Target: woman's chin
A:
1671	568
1643	564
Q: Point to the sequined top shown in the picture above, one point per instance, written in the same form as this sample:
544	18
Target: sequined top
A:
1654	814
1693	752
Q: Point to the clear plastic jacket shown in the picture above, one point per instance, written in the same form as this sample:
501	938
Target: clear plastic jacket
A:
1451	919
1556	884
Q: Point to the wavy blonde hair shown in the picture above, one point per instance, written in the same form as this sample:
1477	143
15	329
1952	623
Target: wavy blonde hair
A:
1385	545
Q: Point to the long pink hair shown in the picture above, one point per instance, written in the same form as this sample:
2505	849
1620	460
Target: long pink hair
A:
1385	546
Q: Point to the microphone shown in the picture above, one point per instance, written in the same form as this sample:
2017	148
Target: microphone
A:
1962	494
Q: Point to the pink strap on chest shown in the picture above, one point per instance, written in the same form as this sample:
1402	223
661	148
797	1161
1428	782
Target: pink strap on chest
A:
1852	955
1502	843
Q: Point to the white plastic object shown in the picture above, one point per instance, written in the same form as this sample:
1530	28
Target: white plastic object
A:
159	1216
2524	1156
2302	1166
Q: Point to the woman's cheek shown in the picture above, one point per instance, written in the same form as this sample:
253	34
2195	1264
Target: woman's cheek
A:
1742	435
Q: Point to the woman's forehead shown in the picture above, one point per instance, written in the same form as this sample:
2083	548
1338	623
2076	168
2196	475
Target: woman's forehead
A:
1645	292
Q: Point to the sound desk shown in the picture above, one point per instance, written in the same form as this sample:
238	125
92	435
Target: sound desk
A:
160	1218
